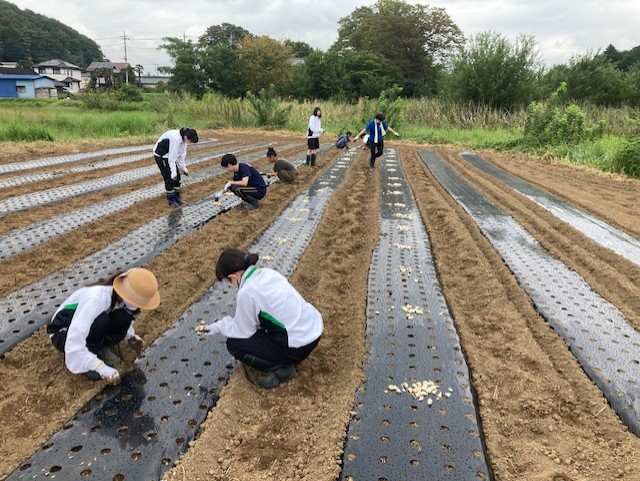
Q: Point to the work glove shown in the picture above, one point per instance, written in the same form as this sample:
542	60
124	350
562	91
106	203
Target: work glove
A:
109	374
217	196
211	329
174	175
396	134
184	171
227	186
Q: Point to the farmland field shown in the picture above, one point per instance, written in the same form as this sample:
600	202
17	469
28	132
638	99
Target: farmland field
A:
542	417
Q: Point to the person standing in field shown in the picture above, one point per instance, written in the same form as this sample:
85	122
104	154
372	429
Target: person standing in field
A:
274	327
170	153
93	320
247	183
313	136
282	168
376	130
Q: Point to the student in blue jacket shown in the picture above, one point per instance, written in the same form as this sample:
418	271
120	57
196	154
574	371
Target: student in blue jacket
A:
274	328
376	129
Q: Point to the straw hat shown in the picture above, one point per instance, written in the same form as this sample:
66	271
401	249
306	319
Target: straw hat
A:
139	287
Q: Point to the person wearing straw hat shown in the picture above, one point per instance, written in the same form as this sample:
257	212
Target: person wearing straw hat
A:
274	328
93	320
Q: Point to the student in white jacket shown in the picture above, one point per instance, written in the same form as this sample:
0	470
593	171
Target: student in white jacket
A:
95	319
314	131
170	153
274	328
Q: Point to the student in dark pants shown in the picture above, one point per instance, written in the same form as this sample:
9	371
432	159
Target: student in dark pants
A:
376	129
95	319
274	328
170	153
247	183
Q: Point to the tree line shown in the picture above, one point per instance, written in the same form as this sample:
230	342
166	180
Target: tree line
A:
392	43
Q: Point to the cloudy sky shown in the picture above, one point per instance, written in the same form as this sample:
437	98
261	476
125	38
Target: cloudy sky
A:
562	28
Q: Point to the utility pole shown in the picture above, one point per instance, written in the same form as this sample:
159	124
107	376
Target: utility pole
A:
126	68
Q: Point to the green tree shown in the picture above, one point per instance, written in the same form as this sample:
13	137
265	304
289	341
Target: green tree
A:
414	38
225	34
264	61
348	75
492	71
594	78
186	74
299	49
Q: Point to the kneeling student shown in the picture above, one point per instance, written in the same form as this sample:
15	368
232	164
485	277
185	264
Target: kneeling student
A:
247	183
95	319
283	169
274	328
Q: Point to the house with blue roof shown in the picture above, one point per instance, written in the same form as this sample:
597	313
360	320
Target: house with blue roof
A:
20	83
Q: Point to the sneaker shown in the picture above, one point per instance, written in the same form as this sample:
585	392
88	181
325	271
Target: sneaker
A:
109	356
273	379
250	206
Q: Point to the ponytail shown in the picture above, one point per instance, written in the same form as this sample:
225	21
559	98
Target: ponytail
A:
190	134
234	260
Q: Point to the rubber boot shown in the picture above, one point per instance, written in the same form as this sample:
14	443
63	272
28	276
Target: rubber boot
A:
171	199
308	160
179	198
313	160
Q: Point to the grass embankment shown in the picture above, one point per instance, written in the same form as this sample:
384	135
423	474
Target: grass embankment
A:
430	121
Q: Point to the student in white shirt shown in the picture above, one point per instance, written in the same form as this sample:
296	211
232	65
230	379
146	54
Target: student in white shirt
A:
95	319
314	131
170	152
274	328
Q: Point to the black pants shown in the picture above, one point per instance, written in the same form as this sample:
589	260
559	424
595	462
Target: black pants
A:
376	151
265	353
248	194
170	185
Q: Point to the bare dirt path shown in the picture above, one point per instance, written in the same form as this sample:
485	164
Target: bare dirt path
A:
543	419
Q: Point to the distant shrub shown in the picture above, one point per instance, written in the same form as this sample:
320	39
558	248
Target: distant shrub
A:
627	159
555	123
129	93
101	101
266	109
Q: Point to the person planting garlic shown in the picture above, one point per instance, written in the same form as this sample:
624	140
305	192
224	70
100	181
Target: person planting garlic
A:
93	320
274	328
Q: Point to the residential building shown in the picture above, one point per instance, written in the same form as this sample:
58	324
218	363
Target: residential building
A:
21	83
66	75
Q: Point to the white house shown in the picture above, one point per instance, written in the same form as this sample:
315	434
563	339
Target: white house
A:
66	75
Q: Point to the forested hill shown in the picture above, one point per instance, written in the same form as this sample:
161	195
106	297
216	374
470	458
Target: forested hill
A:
30	38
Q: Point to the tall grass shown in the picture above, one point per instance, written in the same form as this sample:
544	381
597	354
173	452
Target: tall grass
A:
422	120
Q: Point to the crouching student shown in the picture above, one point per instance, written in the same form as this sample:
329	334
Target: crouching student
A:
247	183
283	169
274	328
92	321
343	140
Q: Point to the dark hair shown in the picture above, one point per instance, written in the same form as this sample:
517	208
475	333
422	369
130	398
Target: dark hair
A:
380	116
348	132
271	152
233	260
315	111
190	134
228	159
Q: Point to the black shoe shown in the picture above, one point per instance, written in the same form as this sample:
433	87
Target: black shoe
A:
273	379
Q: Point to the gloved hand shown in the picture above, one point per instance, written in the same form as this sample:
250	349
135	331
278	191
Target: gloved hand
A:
184	171
136	342
109	374
227	186
211	329
174	175
396	134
